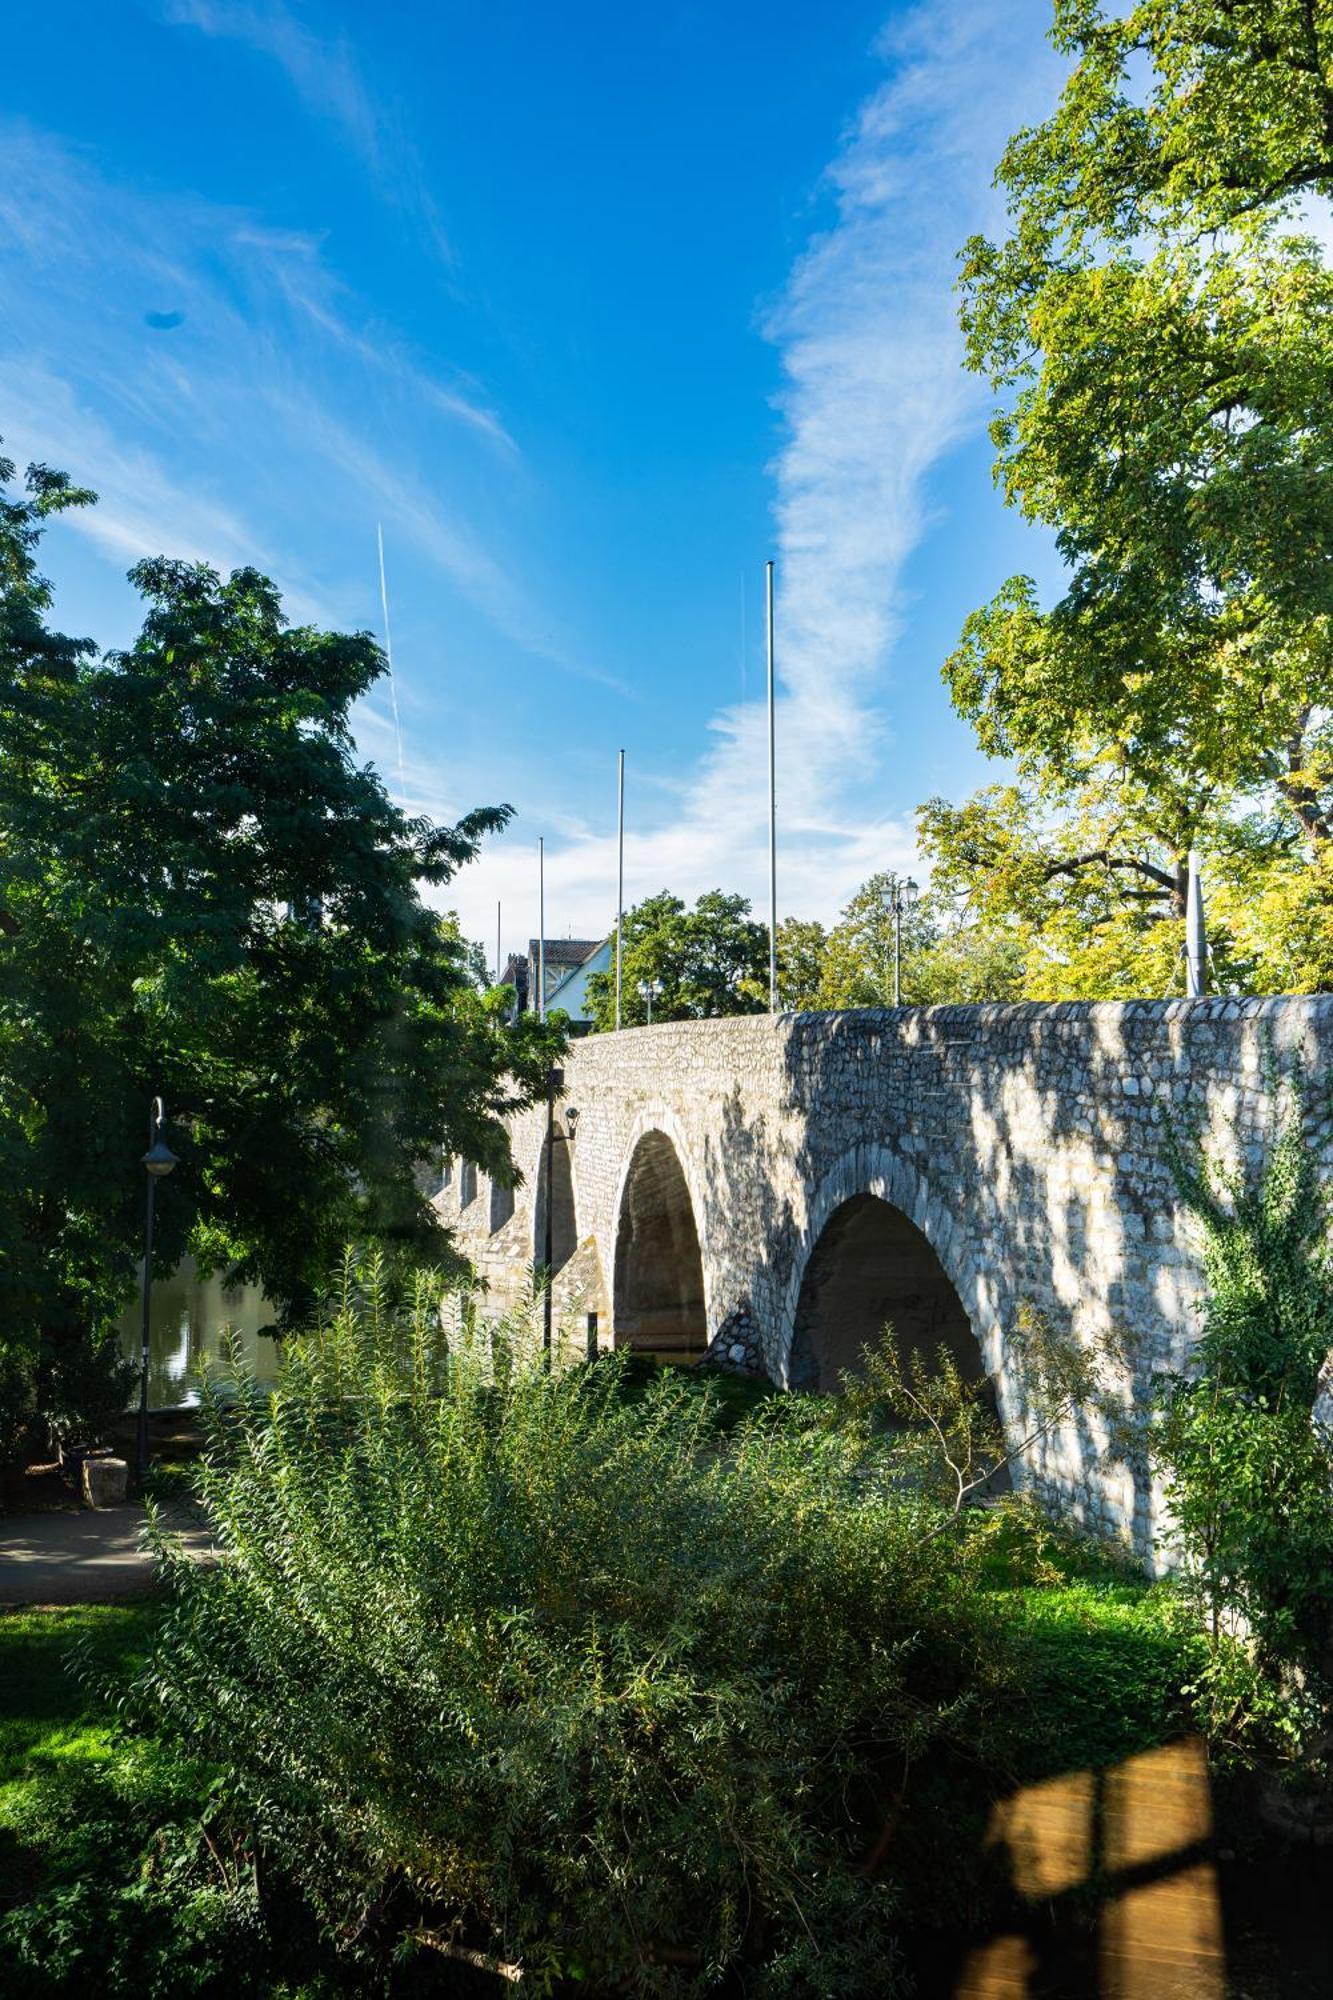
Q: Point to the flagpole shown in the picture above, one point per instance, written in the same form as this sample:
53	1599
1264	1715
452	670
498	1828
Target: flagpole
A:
772	809
388	654
541	929
620	869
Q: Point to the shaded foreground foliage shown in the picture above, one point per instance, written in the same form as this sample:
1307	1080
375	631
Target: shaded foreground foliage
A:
127	1865
106	1879
498	1660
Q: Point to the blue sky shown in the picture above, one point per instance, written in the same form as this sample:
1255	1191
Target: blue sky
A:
593	307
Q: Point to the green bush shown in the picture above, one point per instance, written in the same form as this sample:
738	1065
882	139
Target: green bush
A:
53	1390
18	1395
501	1660
1249	1474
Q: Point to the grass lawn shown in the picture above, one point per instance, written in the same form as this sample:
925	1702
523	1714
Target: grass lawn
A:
106	1881
46	1717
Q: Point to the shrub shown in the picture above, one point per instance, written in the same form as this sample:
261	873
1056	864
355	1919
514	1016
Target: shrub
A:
82	1387
18	1377
54	1390
502	1661
1249	1474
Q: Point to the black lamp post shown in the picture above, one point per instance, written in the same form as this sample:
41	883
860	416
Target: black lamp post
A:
650	990
902	897
158	1162
555	1080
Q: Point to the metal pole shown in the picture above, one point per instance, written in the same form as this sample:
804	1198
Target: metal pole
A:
388	654
141	1450
897	950
620	870
650	1003
1196	945
541	930
554	1081
499	969
549	1248
772	810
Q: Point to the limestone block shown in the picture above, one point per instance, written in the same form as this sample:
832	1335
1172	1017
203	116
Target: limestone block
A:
104	1481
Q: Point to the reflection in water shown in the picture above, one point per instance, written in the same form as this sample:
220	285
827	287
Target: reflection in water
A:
1137	1836
190	1315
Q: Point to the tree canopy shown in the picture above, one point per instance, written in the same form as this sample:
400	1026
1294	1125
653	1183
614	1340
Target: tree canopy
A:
1157	326
213	899
706	961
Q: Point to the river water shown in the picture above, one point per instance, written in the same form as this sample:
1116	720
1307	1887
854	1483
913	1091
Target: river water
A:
188	1317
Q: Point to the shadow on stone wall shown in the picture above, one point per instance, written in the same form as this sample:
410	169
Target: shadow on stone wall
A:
658	1284
872	1269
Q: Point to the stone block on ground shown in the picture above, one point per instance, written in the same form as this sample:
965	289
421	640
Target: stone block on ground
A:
104	1481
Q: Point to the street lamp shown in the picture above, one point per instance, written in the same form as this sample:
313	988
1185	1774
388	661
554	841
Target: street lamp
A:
650	990
158	1162
555	1081
902	896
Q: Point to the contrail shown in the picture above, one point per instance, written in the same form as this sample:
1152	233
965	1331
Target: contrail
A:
388	654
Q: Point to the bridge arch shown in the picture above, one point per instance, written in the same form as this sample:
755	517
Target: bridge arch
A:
659	1292
877	1245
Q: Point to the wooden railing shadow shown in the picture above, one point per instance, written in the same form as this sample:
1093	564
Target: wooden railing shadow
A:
1115	1893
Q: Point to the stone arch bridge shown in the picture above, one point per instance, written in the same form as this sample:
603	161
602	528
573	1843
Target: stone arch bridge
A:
781	1187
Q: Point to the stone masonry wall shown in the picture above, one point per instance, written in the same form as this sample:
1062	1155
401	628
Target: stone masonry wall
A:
1027	1142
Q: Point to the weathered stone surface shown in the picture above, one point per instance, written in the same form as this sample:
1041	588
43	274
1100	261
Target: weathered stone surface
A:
104	1481
737	1348
1028	1144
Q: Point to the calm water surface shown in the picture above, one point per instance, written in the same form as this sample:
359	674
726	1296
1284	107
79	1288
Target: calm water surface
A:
189	1316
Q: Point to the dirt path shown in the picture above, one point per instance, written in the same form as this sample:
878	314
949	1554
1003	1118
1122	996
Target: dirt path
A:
81	1557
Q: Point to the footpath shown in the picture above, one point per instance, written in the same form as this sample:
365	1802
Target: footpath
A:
78	1556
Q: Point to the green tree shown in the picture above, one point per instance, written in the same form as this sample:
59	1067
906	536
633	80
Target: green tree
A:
1088	891
216	901
858	961
1158	326
707	961
802	951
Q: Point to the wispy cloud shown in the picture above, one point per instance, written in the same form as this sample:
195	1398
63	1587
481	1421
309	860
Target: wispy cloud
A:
324	73
309	287
255	384
873	396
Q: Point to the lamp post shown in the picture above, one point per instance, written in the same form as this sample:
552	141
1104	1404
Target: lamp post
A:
902	896
555	1080
650	990
158	1162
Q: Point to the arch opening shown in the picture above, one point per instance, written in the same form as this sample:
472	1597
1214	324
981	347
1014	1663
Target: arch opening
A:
555	1179
659	1280
871	1268
502	1206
